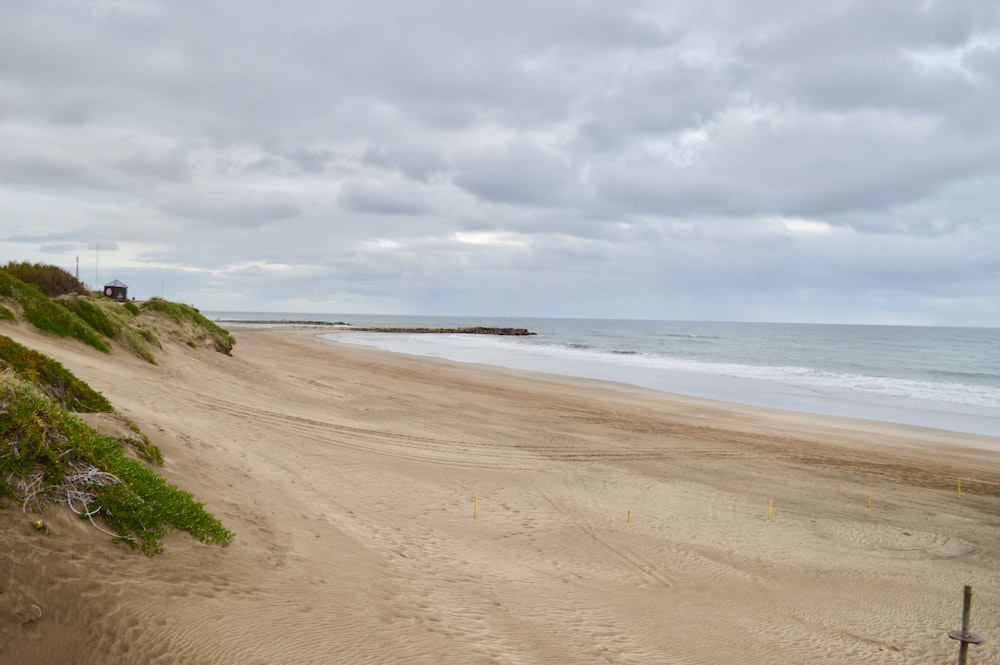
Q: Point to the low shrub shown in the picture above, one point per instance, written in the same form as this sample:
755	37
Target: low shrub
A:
180	313
143	447
46	315
126	328
52	378
49	317
51	280
58	458
94	316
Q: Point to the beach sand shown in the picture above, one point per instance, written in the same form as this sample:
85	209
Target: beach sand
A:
390	509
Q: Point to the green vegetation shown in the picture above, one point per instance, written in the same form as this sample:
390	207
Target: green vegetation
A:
51	378
96	320
49	317
182	314
114	321
51	280
52	456
47	454
92	314
46	315
143	447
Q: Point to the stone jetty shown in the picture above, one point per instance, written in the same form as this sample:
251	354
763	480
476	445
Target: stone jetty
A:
477	330
340	325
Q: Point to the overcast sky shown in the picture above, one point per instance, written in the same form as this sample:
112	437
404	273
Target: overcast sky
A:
774	160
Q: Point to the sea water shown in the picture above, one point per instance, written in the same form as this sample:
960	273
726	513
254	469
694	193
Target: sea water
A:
947	378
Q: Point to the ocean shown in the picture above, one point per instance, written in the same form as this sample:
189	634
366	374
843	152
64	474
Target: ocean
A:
945	378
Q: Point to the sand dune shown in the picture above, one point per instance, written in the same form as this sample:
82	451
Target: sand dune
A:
612	525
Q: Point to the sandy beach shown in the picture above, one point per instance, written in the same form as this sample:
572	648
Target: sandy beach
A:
390	509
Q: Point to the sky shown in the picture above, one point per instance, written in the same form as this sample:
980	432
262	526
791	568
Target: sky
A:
774	160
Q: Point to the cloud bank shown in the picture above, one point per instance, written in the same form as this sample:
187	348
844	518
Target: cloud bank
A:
719	160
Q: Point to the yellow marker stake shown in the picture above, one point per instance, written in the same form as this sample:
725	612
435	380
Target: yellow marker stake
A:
475	506
960	488
770	507
629	517
869	500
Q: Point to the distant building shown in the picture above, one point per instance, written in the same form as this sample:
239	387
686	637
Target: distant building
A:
116	290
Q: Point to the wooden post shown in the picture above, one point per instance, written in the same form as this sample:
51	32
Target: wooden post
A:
963	648
964	636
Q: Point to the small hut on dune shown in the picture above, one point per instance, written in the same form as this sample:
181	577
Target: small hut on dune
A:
117	290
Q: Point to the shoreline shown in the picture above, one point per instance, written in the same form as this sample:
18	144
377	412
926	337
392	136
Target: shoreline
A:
801	428
611	523
728	389
854	438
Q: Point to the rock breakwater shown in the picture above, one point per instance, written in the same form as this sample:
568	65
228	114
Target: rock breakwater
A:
476	330
340	325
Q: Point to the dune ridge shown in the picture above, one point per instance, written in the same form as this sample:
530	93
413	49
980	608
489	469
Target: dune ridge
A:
611	524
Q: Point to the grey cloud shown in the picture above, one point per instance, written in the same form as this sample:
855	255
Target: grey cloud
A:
801	166
55	242
60	248
385	198
520	172
48	171
70	112
669	97
844	57
309	159
846	28
549	156
170	165
231	209
415	161
984	61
